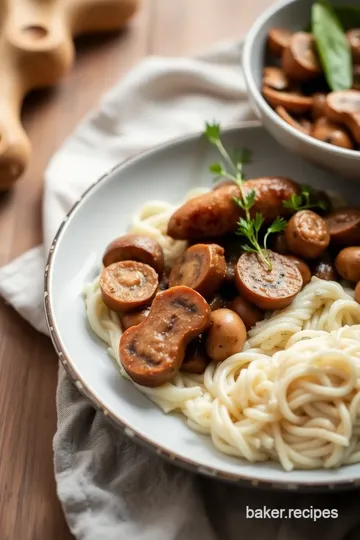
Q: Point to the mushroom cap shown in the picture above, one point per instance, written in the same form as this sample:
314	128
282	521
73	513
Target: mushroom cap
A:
300	60
278	39
343	107
275	78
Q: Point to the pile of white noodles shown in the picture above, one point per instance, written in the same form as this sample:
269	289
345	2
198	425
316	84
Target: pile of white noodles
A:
292	395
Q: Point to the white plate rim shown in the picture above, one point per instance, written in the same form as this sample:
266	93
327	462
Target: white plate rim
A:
75	375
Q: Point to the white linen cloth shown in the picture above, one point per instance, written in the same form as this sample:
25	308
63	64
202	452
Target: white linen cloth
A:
110	488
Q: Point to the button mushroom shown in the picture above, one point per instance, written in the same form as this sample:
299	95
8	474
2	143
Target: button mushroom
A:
278	40
344	107
301	124
331	133
299	59
292	102
354	40
275	78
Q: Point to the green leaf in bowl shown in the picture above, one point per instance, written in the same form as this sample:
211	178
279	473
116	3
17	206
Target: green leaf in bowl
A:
332	46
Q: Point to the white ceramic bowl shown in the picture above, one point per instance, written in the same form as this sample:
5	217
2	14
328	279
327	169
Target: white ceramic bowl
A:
294	15
104	212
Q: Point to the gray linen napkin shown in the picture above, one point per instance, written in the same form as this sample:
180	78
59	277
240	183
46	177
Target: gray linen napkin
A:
111	489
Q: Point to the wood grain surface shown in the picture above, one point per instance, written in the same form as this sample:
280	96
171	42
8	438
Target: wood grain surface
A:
29	509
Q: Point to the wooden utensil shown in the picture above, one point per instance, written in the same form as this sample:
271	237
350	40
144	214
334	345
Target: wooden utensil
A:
36	50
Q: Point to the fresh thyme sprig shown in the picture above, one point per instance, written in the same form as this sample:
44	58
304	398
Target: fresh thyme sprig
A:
302	201
232	168
250	230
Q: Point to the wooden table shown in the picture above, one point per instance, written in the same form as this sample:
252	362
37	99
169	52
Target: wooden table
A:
29	509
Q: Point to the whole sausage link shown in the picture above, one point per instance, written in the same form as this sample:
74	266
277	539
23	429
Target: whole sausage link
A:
152	352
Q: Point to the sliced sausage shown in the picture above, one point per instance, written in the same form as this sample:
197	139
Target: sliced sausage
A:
128	285
153	351
302	124
196	359
307	234
347	263
226	336
215	213
303	267
344	226
357	293
135	247
203	268
268	289
133	318
248	313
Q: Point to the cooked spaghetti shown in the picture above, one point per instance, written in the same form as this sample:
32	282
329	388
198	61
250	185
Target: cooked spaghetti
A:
292	395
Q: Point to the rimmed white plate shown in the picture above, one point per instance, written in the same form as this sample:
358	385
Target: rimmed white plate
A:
104	212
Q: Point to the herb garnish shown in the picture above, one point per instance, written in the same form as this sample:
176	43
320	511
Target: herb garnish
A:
302	201
332	46
232	168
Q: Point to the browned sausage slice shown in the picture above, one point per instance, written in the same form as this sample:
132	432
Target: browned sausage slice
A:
307	234
215	213
303	267
268	289
152	352
324	268
135	247
344	226
196	359
133	318
203	268
247	312
128	285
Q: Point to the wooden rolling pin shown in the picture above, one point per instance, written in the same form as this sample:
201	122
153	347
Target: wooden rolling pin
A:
36	50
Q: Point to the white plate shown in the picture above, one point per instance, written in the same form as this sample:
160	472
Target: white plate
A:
104	212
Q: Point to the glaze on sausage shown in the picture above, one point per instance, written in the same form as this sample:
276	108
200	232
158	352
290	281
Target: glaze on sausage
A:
135	247
268	289
307	234
344	226
215	213
128	285
203	268
153	351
